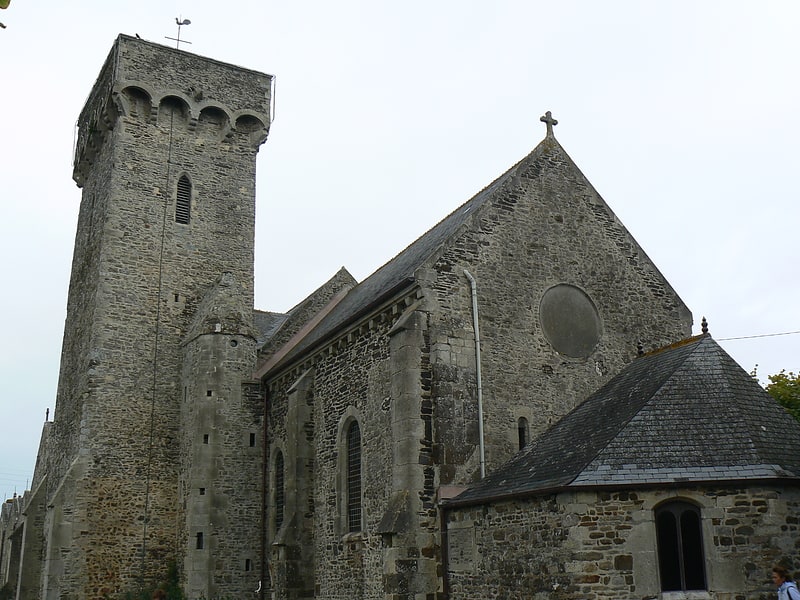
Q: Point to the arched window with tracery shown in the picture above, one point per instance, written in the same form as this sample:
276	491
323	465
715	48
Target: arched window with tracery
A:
353	472
280	490
183	201
681	560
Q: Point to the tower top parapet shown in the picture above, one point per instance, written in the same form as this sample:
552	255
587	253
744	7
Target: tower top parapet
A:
156	72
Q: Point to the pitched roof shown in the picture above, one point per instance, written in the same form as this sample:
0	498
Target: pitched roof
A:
685	413
398	273
283	327
267	323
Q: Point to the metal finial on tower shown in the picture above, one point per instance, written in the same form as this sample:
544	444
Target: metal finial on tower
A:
639	348
178	41
550	121
704	326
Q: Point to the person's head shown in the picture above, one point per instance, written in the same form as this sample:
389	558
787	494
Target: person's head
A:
780	574
159	594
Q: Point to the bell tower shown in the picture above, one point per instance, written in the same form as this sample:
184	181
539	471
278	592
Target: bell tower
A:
165	156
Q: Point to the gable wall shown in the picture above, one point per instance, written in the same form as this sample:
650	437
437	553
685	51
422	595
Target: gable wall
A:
545	226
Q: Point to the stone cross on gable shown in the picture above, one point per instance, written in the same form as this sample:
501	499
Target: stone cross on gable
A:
548	118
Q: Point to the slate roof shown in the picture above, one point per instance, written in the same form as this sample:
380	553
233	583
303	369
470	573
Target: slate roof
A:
687	413
267	323
398	273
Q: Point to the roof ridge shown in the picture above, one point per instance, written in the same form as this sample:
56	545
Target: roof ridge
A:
484	191
674	345
400	270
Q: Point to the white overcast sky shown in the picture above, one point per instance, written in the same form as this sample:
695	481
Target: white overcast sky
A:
684	115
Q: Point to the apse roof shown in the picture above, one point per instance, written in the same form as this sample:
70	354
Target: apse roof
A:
687	413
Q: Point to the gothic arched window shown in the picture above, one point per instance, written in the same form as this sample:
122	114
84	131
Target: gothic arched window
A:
280	490
681	559
353	477
183	201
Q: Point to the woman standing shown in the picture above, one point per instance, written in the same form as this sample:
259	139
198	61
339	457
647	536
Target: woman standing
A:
787	590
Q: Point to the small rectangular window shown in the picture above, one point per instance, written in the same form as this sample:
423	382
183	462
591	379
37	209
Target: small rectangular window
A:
248	565
202	491
200	544
205	438
209	393
252	440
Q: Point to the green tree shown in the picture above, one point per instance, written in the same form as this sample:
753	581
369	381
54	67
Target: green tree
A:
785	388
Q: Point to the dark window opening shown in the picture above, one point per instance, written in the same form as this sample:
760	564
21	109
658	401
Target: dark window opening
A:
209	393
183	201
681	559
248	565
353	477
279	491
252	440
202	491
522	432
199	545
205	438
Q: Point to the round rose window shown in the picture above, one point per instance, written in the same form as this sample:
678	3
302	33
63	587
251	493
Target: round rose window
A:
570	320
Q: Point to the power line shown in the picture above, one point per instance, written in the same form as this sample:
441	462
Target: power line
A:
750	337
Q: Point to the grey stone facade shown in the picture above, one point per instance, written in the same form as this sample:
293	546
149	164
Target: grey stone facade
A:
398	356
679	479
124	460
602	545
192	430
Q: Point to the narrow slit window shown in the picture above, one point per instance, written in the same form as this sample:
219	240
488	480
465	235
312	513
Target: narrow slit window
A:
353	477
200	543
522	432
279	491
248	565
252	440
183	201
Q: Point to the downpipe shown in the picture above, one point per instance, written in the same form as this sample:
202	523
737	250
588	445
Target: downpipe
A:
474	287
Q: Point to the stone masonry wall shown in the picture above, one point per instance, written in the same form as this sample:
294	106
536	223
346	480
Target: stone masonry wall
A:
221	449
137	278
414	393
602	546
351	380
11	524
544	226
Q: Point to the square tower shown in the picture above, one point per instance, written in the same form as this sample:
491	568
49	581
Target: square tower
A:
166	156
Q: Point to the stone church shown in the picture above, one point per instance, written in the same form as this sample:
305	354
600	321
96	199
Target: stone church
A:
421	434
